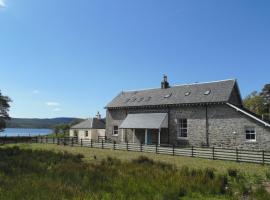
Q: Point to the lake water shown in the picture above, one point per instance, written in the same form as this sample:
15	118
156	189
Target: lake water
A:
11	132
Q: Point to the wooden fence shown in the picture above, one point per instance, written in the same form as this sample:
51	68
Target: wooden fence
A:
214	153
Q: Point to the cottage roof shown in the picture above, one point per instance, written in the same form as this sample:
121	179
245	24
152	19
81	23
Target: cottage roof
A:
210	92
92	123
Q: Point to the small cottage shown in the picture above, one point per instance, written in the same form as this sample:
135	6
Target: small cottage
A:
92	128
198	114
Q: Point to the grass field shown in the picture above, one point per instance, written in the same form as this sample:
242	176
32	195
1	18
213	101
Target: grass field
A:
46	171
256	171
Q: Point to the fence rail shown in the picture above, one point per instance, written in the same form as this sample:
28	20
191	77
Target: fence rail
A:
214	153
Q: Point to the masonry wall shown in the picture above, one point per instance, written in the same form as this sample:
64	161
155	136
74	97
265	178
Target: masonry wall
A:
226	127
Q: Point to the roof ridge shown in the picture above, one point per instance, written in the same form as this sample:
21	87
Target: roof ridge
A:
177	85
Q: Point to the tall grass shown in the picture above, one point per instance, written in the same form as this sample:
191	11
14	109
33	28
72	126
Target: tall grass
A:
27	174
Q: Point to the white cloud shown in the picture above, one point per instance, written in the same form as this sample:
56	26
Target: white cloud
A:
2	3
52	104
56	109
34	91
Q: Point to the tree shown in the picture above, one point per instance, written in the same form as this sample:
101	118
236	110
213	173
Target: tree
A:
4	109
266	95
255	103
61	129
259	103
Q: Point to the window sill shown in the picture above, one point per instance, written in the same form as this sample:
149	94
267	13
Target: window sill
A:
251	141
115	135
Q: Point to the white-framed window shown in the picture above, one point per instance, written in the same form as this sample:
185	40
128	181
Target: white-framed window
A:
115	130
181	128
250	134
86	133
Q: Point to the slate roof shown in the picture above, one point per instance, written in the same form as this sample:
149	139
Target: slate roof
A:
210	92
92	123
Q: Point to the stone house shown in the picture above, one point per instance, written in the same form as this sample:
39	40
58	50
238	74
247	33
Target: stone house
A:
92	128
199	114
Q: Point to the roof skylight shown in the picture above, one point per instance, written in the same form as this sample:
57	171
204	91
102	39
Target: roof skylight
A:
207	92
168	96
187	93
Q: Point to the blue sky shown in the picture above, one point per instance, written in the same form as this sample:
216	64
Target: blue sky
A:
70	58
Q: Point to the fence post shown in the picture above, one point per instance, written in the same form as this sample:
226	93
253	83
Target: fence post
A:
46	139
173	153
192	151
127	145
263	157
91	143
81	142
141	147
236	151
36	139
213	153
53	140
102	146
72	142
156	148
114	145
58	141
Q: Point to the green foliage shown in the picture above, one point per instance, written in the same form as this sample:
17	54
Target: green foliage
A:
61	129
259	103
4	108
28	174
233	173
255	103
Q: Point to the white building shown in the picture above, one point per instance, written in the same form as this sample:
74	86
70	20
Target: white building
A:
92	128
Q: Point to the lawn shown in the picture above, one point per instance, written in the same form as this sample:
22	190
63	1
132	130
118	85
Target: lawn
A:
90	154
46	171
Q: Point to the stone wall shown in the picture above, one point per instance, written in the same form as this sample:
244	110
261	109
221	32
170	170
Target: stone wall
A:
226	127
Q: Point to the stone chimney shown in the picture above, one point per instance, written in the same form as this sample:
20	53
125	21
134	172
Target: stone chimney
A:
165	84
98	115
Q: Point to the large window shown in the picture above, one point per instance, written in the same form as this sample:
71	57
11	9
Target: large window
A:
115	130
182	128
250	134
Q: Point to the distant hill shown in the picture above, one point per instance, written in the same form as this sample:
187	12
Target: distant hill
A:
40	123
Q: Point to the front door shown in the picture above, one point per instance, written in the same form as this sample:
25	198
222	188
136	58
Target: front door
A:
149	137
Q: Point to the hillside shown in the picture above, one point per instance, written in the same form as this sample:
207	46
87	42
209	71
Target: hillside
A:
38	123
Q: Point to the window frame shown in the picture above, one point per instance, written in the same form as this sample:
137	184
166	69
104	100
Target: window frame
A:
86	133
250	131
182	128
115	132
